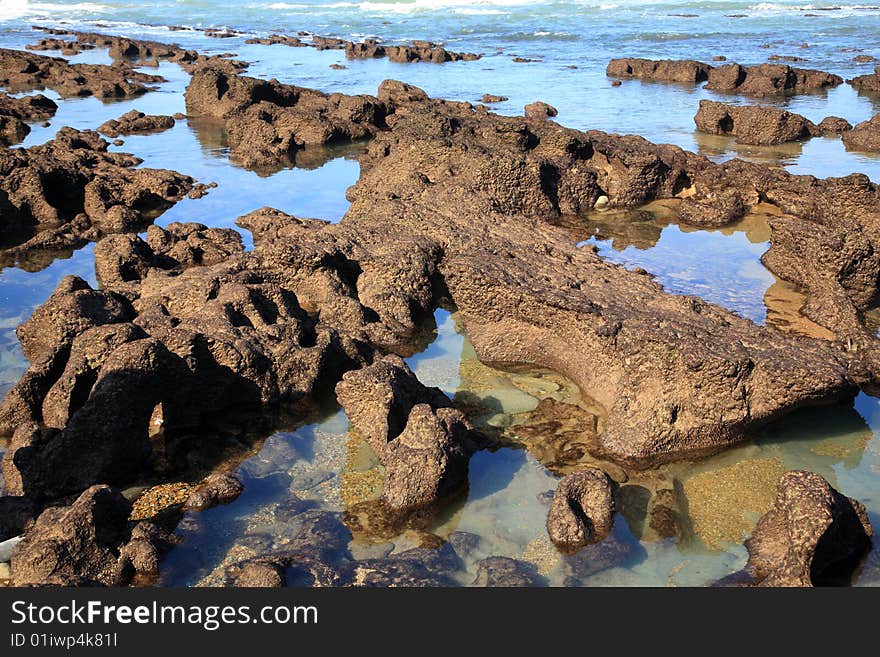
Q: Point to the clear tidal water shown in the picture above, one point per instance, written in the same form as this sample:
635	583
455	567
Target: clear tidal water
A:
321	462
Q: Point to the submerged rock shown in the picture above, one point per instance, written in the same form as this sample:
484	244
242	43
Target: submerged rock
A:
497	572
135	122
215	489
582	511
812	535
750	124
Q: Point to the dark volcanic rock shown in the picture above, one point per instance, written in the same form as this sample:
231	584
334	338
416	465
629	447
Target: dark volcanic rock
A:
423	443
770	80
87	543
865	136
750	124
133	122
71	190
812	535
23	71
666	70
582	511
15	513
14	112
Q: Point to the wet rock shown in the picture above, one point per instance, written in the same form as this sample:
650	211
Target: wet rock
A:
869	83
593	559
498	572
66	47
417	51
750	124
865	136
89	542
464	543
540	110
770	80
786	58
687	71
813	535
278	39
70	190
864	59
157	500
582	511
424	444
134	122
16	112
263	573
492	98
23	71
834	125
215	489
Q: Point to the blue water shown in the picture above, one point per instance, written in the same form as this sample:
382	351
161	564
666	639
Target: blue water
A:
573	42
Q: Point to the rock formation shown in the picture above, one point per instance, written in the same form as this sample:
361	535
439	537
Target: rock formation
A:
751	124
865	136
134	122
582	511
15	112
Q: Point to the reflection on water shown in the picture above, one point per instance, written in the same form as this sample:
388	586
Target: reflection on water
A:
721	265
680	525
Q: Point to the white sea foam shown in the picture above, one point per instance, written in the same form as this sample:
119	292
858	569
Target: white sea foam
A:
15	9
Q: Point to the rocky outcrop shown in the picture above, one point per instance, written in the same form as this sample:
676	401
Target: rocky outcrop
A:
15	112
278	39
71	190
68	48
763	80
834	125
24	71
665	70
540	110
582	511
869	83
751	124
865	136
15	513
421	440
269	121
135	122
417	51
770	80
128	52
454	204
813	535
89	542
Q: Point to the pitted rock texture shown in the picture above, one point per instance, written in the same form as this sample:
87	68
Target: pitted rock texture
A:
135	122
423	443
24	71
812	535
453	204
582	511
16	112
865	136
89	543
750	124
869	83
763	80
71	190
418	51
137	52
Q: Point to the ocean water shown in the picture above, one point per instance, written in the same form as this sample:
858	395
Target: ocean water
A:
571	43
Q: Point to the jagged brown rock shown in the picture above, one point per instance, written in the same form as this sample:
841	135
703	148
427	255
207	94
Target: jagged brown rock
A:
492	98
869	83
865	136
834	125
71	190
423	443
24	71
812	535
65	47
582	511
135	122
540	110
770	80
218	488
751	124
89	542
14	112
687	71
418	51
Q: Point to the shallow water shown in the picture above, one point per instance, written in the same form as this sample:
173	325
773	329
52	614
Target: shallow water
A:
322	462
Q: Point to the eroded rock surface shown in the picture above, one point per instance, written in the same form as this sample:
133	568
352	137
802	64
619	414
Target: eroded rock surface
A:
865	136
135	122
751	124
16	112
71	190
812	535
582	511
24	71
869	83
421	440
665	70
